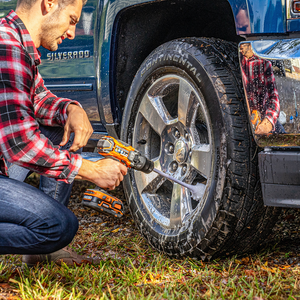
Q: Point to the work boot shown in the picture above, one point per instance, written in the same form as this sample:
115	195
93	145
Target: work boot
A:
65	255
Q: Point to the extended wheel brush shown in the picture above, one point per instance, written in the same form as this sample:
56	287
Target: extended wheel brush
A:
197	190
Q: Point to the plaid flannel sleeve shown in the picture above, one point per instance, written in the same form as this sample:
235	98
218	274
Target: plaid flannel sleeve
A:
21	140
49	109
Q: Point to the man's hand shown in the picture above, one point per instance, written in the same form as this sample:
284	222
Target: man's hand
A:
264	127
106	173
78	123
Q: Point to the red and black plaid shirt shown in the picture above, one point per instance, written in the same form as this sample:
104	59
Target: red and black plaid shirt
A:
25	103
261	88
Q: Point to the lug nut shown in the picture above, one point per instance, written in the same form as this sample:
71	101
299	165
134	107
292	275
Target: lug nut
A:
186	136
174	166
177	134
169	148
184	169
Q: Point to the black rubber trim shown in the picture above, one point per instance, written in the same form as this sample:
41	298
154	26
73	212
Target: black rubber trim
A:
279	167
281	195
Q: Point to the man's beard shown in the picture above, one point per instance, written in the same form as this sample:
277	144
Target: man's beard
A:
48	33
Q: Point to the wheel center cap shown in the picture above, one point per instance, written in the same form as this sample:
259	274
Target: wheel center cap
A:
180	151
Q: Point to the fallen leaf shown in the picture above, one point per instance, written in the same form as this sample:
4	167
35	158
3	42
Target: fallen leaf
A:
272	270
250	273
284	267
245	260
5	285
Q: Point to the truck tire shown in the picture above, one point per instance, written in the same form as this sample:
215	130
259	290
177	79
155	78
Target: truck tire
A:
186	111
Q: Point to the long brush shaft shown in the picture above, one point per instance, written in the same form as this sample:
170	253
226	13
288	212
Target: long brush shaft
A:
189	186
197	190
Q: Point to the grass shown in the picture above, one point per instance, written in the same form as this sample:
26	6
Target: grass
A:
142	273
131	269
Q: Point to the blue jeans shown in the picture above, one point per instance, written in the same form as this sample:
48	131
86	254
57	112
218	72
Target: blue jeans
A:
35	221
279	128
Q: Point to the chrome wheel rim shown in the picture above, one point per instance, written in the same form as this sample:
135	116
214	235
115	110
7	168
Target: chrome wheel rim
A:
173	128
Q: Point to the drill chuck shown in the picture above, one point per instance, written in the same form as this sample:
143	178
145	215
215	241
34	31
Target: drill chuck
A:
140	162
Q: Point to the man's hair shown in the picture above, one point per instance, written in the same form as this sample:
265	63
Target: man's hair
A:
61	3
240	5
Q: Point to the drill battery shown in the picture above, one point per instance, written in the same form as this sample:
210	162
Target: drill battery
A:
103	202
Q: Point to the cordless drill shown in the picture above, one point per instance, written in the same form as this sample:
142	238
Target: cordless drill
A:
110	147
255	118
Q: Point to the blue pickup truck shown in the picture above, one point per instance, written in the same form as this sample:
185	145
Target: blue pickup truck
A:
208	90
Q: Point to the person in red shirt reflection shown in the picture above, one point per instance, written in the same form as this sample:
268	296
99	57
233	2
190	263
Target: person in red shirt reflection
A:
262	94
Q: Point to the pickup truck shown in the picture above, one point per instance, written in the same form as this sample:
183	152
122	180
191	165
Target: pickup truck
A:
172	78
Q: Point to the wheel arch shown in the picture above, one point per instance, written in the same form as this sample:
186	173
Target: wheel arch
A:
140	29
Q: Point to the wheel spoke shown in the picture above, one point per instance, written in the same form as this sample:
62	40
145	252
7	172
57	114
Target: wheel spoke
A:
154	111
180	205
186	101
175	212
186	205
201	159
143	180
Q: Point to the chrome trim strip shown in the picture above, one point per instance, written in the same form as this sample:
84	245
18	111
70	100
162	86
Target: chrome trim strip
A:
70	87
289	9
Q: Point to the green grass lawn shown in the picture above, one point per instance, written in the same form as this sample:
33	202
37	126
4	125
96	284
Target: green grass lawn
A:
131	269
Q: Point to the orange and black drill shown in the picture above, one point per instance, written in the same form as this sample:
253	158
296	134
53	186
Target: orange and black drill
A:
255	118
99	199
